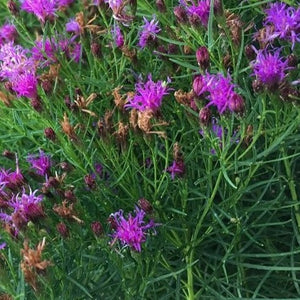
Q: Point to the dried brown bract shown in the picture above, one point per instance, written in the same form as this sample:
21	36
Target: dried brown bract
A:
121	134
83	103
133	119
66	210
32	263
118	98
6	98
68	129
235	25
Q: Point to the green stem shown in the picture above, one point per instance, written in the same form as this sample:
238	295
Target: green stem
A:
291	184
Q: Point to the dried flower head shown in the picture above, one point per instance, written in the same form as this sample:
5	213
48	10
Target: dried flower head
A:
32	263
66	210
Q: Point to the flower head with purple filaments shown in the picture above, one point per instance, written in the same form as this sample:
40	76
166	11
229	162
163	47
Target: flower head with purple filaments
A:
269	67
26	207
220	91
148	95
131	231
41	164
118	36
42	9
73	26
177	168
148	32
285	20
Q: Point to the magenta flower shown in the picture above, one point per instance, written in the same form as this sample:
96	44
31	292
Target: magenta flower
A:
8	33
44	52
114	5
42	9
25	85
177	168
26	207
12	180
148	95
76	52
131	232
73	26
41	164
199	13
269	68
64	3
285	20
118	36
148	32
14	61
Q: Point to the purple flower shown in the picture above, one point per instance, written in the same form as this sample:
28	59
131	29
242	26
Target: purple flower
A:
73	26
44	52
131	232
199	13
42	9
12	180
148	95
118	36
25	85
26	207
269	68
64	3
41	164
219	88
286	22
177	168
14	61
148	32
8	33
114	5
76	52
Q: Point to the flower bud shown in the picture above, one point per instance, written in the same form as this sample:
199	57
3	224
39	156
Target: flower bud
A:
205	116
49	133
292	60
198	85
145	205
90	181
8	154
202	56
180	14
12	7
97	228
96	50
249	52
236	103
257	86
161	6
63	229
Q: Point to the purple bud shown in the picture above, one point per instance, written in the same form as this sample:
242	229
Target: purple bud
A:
205	116
49	133
236	103
202	56
63	229
198	85
97	228
180	14
145	205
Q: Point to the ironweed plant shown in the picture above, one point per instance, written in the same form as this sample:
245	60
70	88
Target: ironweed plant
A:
150	149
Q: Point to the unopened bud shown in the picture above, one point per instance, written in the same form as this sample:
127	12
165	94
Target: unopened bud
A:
97	228
198	85
205	116
236	103
145	205
49	133
202	56
180	14
63	229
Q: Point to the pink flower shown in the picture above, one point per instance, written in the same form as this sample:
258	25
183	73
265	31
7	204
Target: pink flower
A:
285	20
118	36
41	164
148	32
131	231
25	85
8	33
73	26
177	168
148	95
42	9
269	68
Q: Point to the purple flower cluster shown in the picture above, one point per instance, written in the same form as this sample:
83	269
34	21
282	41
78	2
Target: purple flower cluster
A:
131	231
148	96
269	68
26	207
18	69
285	21
73	26
148	32
44	9
220	92
118	36
41	164
8	33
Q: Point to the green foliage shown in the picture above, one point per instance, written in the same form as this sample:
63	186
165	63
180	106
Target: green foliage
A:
228	228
